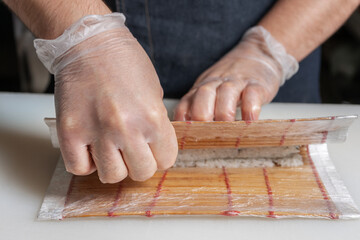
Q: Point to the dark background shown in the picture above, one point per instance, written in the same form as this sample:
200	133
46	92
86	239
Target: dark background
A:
9	77
340	68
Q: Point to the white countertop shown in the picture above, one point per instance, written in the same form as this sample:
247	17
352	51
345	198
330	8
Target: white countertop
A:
27	161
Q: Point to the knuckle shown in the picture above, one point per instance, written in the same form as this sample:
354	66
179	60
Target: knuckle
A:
68	131
153	115
206	89
114	121
227	85
229	89
67	126
156	118
117	122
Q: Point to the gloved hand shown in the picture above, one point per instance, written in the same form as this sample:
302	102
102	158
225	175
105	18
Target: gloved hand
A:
249	75
110	114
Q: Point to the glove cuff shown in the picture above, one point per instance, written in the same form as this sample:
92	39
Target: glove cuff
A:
288	64
49	50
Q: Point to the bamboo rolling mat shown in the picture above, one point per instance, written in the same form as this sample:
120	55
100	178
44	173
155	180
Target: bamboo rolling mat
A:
313	190
196	135
264	192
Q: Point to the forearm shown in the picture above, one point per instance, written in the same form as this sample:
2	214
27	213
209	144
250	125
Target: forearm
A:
49	19
302	25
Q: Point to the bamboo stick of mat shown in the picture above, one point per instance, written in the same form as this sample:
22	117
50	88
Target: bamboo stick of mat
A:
260	133
268	192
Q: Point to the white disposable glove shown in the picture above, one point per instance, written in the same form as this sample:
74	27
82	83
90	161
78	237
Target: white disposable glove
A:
108	99
249	75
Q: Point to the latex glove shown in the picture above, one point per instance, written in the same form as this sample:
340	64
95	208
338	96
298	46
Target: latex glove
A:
110	114
249	75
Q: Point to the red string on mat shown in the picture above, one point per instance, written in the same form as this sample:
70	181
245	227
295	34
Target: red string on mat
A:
116	201
242	133
270	194
324	193
183	139
230	211
282	141
156	195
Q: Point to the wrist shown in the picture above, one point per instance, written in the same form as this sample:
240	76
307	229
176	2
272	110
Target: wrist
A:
49	51
272	49
49	19
58	27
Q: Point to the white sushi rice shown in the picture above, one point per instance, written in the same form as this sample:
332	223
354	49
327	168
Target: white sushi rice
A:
288	156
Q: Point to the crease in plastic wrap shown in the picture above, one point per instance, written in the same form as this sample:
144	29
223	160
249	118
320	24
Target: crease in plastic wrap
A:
274	187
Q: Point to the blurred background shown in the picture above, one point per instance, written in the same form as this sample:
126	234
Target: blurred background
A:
21	71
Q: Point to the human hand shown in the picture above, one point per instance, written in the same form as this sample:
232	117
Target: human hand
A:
249	75
110	114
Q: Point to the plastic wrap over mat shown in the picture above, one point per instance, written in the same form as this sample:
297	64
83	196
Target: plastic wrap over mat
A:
313	190
261	133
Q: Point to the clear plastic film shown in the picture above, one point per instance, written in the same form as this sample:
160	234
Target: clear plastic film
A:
240	134
311	189
49	50
249	76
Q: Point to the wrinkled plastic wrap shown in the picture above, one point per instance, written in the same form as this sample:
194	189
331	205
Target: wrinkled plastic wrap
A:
49	51
261	133
288	63
312	189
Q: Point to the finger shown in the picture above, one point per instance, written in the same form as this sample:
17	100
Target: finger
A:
181	112
139	158
77	159
165	147
252	99
203	104
227	99
73	150
109	162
